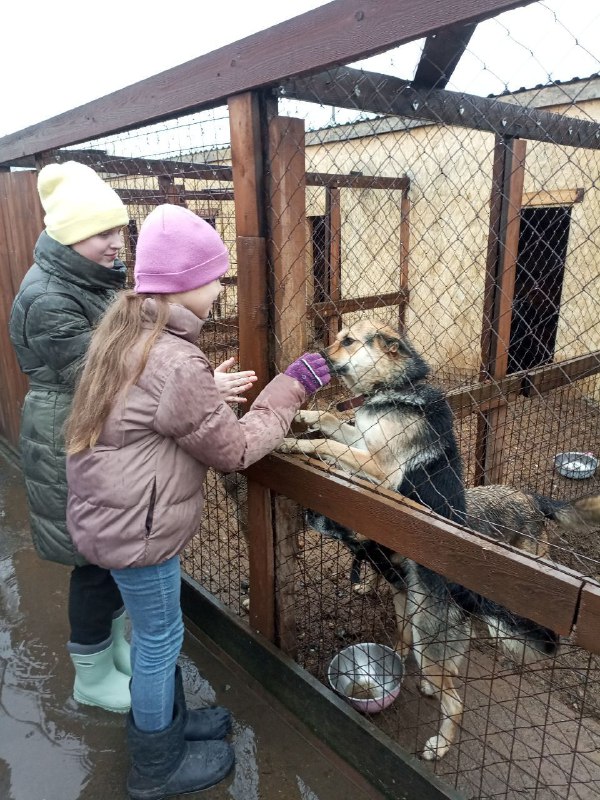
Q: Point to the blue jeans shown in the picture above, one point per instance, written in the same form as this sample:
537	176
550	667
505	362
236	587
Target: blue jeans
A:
152	599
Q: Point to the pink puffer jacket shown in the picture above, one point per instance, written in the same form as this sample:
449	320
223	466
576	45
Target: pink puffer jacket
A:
136	498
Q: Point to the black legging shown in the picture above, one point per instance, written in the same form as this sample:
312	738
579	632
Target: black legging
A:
93	600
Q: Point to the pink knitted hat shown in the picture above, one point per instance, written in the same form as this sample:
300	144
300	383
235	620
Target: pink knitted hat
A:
177	251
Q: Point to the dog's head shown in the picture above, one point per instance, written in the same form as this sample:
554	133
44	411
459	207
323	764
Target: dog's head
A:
366	354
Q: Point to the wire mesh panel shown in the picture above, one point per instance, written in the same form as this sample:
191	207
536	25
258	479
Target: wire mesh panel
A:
466	226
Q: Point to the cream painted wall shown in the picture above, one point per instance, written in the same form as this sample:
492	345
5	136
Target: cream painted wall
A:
450	173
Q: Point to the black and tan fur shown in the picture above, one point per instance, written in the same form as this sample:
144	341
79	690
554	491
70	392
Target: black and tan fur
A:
519	518
403	439
513	517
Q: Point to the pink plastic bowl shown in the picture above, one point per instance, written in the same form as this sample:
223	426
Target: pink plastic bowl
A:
367	675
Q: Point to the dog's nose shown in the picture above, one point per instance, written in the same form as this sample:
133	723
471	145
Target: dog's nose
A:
323	353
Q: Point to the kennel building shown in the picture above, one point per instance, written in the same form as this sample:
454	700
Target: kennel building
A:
445	202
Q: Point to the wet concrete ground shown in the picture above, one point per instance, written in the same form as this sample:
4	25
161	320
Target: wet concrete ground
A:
53	749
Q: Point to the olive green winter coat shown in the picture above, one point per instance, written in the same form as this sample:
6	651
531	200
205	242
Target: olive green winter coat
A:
60	299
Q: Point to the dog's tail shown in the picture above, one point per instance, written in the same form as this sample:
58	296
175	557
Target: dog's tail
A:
521	638
572	516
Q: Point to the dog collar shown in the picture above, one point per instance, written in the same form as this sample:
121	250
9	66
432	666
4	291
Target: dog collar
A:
354	402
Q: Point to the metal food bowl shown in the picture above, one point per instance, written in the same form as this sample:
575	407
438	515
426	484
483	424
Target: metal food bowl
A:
367	675
575	465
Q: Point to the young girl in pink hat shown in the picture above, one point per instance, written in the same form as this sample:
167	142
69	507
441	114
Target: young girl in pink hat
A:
147	422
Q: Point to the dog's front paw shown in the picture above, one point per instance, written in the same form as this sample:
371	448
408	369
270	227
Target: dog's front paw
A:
427	688
308	418
288	446
367	583
362	588
435	748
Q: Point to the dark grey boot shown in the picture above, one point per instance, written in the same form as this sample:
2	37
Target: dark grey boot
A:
164	764
202	723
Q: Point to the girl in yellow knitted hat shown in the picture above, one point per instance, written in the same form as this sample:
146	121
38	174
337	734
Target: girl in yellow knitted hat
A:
75	276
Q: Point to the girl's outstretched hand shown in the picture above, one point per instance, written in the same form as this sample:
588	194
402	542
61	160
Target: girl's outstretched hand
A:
311	371
231	385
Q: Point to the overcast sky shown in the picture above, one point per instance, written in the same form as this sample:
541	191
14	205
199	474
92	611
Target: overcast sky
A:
55	57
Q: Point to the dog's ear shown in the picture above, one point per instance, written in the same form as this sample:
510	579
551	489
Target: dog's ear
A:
389	342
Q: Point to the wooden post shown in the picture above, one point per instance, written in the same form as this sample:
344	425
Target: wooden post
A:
404	257
288	236
333	255
503	247
289	242
171	190
246	115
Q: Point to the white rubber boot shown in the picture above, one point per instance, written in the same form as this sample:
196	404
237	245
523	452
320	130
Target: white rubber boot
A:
121	648
97	681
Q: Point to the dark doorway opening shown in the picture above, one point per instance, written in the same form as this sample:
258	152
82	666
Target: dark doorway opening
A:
543	239
320	261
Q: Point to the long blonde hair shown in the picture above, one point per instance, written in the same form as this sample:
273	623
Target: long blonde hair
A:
105	372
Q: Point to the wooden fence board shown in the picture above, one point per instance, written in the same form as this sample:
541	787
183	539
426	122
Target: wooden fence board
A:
21	221
587	629
537	590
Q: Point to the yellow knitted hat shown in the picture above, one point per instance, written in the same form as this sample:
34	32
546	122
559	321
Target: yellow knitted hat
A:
78	203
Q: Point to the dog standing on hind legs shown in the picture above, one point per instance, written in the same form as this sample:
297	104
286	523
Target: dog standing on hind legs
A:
403	439
435	620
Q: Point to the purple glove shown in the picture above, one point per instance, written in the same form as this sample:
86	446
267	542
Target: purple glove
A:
311	370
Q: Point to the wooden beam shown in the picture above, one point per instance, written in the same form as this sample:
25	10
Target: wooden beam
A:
384	94
21	222
329	309
532	383
125	165
101	161
356	181
335	33
154	197
261	560
441	53
248	169
537	590
513	153
332	309
553	197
